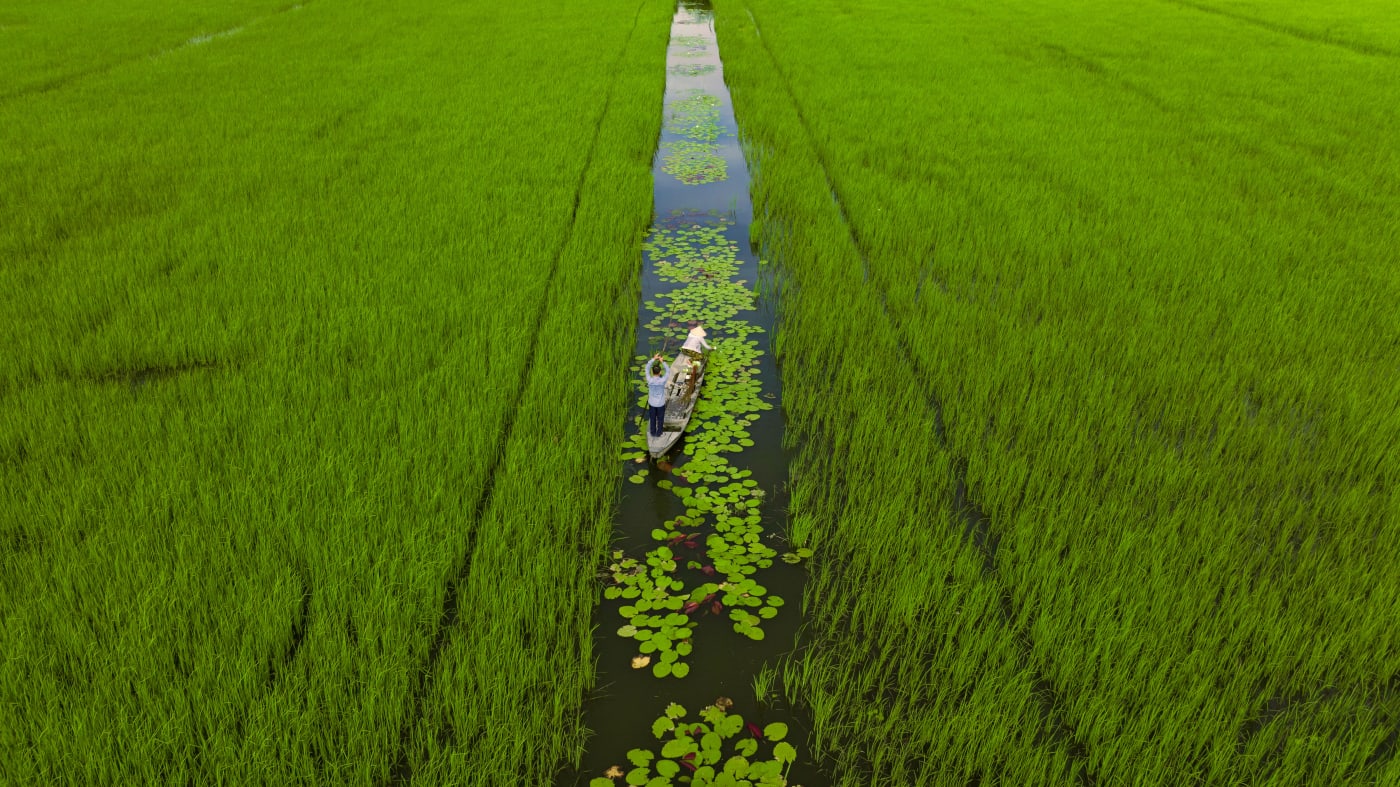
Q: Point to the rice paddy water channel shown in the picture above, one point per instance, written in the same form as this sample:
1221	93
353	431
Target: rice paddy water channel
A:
702	592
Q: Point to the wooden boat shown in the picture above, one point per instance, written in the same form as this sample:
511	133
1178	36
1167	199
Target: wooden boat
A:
683	382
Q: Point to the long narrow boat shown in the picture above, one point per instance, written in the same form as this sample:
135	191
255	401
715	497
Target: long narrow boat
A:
683	382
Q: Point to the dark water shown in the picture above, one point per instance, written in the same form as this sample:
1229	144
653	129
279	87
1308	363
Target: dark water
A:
723	663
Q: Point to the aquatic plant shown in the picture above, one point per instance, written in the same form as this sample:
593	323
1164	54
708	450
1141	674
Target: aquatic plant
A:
690	70
690	46
690	42
695	117
695	159
709	555
719	748
694	163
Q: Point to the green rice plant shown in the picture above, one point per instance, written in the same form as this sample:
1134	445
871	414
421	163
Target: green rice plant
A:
763	683
1366	27
46	46
286	334
695	117
1126	290
690	70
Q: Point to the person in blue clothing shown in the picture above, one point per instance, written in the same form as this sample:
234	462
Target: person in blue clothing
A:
655	373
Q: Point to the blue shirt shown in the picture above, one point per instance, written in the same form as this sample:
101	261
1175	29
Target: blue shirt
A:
656	386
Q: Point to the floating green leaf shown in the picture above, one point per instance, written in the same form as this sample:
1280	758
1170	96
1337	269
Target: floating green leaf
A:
678	747
662	725
737	766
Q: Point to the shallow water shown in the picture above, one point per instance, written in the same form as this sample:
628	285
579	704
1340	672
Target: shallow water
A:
723	663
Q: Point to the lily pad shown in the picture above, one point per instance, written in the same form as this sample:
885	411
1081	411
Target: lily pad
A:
662	725
677	748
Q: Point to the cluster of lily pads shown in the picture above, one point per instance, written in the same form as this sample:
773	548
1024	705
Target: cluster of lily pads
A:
689	46
696	116
690	70
694	159
694	163
707	557
720	749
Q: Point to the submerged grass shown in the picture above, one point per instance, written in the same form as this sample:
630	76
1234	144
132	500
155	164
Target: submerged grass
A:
1081	307
272	432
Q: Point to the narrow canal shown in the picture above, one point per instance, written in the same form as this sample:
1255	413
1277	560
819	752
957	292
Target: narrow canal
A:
703	593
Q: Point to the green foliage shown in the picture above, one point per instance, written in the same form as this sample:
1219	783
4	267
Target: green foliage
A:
694	159
690	70
50	44
694	163
1119	270
722	523
714	750
270	321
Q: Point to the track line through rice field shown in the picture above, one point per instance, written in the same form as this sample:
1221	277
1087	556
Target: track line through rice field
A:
1082	63
1299	33
297	635
401	772
978	526
61	81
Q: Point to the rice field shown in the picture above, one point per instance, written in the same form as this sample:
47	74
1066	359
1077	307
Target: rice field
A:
319	362
1088	334
303	308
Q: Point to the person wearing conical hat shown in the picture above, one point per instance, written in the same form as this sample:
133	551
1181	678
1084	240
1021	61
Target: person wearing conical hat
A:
695	341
